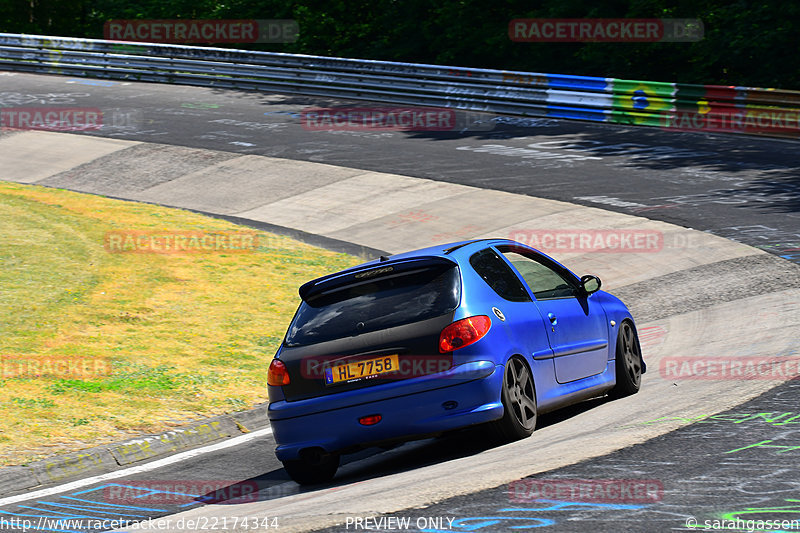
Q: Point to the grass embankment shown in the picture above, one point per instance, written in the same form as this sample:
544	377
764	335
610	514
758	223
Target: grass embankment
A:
167	337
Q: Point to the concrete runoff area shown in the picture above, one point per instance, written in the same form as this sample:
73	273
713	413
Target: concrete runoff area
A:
712	289
242	183
25	162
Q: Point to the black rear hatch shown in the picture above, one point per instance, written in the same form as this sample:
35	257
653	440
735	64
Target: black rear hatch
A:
370	326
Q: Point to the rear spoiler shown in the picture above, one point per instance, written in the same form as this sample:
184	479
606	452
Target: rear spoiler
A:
367	274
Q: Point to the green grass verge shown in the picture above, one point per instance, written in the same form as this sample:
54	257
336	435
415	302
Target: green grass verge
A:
165	337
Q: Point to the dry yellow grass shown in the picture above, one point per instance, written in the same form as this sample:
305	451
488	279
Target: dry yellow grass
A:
184	335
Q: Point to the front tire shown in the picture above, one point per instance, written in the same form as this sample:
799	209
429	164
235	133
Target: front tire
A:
628	362
519	402
312	472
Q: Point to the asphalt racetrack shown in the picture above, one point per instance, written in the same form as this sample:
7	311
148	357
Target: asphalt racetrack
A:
676	455
739	187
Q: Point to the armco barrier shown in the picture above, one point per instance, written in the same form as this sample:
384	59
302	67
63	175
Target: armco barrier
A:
643	103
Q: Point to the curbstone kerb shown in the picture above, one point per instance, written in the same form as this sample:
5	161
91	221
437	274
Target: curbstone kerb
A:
111	457
252	419
145	448
17	478
93	461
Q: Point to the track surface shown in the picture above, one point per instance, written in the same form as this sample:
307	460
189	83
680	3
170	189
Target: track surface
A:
732	186
699	473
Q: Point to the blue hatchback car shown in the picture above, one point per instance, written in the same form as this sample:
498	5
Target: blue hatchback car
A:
416	344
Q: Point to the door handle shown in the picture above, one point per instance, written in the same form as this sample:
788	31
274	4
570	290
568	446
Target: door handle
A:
553	318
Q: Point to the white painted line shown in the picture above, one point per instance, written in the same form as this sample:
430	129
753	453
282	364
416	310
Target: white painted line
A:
235	441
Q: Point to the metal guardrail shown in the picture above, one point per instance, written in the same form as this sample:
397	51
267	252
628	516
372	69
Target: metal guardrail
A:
668	105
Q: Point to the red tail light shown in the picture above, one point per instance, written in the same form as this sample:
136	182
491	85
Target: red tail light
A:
277	374
464	332
370	420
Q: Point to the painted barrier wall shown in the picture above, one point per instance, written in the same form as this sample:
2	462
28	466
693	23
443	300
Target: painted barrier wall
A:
671	106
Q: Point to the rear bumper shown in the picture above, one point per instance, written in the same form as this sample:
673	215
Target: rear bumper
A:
474	389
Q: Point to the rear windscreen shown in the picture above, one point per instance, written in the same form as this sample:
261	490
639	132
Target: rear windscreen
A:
380	303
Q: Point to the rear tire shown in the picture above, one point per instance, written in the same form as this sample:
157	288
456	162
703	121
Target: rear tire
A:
519	402
628	362
312	472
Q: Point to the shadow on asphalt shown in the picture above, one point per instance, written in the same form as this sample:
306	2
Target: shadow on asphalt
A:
376	462
731	154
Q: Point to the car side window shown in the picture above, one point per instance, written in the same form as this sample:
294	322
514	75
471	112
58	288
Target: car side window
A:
544	282
496	273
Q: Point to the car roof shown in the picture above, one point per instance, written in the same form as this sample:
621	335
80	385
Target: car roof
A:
461	251
446	250
441	251
456	252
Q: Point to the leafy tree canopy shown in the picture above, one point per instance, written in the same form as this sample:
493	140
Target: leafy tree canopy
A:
746	42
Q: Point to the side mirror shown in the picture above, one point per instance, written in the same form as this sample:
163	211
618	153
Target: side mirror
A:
590	284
